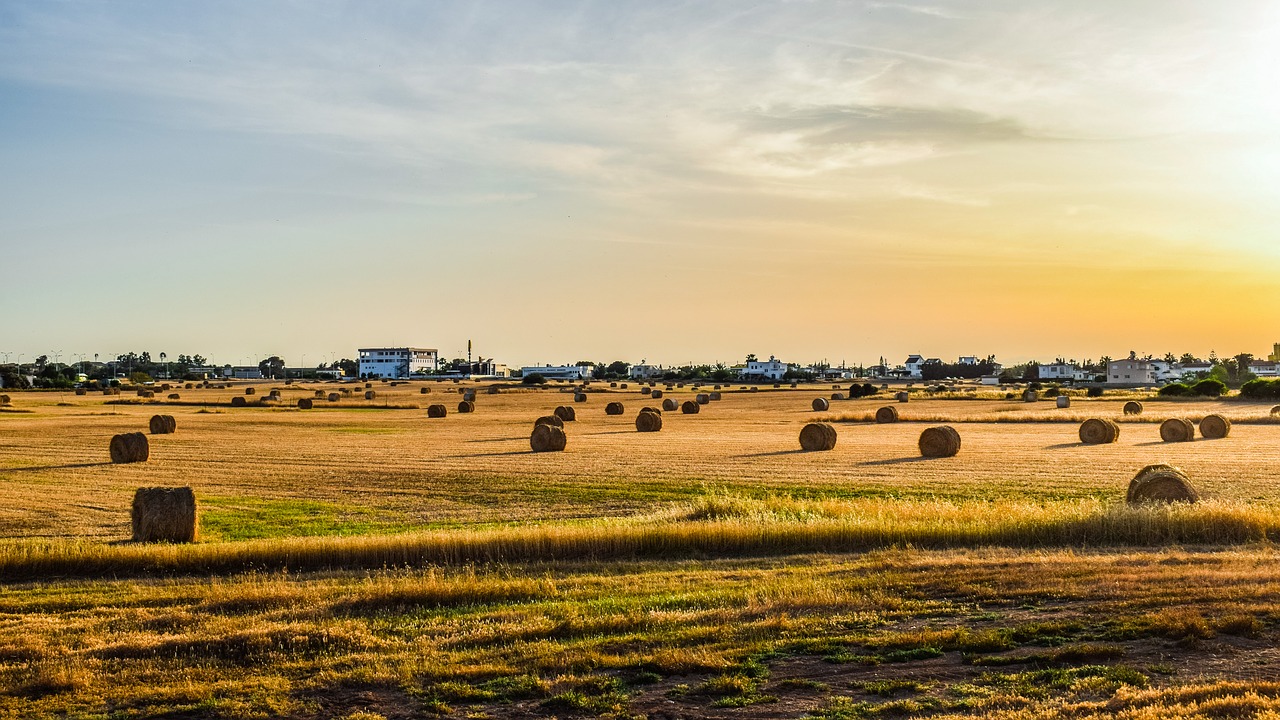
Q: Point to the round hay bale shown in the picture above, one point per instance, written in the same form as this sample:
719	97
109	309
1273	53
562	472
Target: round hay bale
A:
1133	407
268	400
715	396
1095	431
1215	427
941	441
81	391
579	397
547	438
105	391
424	391
166	387
1177	430
646	391
164	515
163	425
249	391
175	396
655	394
820	404
670	405
318	394
129	448
702	398
334	397
795	385
188	386
648	421
346	391
777	385
469	394
305	403
755	388
679	385
437	411
1275	410
887	414
566	413
466	406
548	420
1030	396
613	384
239	401
837	396
370	394
623	386
690	407
494	390
613	408
817	436
369	385
717	387
1161	483
1064	402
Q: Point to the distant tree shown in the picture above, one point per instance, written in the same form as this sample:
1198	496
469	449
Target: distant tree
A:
1189	359
533	379
751	357
272	367
617	368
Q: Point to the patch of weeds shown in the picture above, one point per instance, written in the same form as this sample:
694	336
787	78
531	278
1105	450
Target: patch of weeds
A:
892	688
734	689
518	687
841	707
461	692
1038	684
922	653
802	684
1162	669
847	657
1241	625
1069	655
645	677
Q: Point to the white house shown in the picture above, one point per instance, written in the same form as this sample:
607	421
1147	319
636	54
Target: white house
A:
644	371
1265	368
914	365
558	372
968	360
771	369
1191	370
1130	372
989	379
1058	371
397	362
1167	372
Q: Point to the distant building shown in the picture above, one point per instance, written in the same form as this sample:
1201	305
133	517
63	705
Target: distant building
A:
989	380
1265	369
1058	371
1275	353
771	369
559	372
1193	370
914	366
397	362
1131	372
242	372
645	371
968	360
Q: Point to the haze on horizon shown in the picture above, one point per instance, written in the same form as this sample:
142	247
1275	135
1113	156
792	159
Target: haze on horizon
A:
627	180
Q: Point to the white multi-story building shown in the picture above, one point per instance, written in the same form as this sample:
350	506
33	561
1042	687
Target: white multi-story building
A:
645	371
558	372
1265	368
1130	372
397	362
915	366
771	369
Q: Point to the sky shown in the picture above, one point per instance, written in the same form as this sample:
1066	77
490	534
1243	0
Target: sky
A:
640	180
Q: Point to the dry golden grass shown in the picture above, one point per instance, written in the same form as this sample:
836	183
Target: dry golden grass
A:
395	470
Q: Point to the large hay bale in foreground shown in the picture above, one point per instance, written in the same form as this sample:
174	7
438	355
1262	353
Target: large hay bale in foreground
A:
887	414
903	396
437	411
305	403
579	397
547	438
548	420
1064	402
821	404
702	398
1095	431
1177	430
613	408
239	401
1161	483
566	413
334	397
163	425
370	394
466	406
129	448
648	421
690	407
670	405
941	441
1215	427
1133	407
164	515
817	436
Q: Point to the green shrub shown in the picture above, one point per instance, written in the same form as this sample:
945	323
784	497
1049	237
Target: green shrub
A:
1095	392
1209	388
1261	390
532	379
1175	390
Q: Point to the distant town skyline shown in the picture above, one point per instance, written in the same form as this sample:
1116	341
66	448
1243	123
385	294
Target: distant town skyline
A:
627	180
